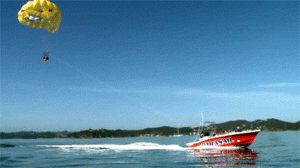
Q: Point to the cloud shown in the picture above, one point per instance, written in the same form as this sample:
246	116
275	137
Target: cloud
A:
95	89
240	96
159	92
280	85
199	93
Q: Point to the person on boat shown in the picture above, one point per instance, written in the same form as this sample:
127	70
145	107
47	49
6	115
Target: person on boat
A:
223	132
237	129
201	136
214	133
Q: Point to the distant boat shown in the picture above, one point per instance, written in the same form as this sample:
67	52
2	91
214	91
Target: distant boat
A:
240	139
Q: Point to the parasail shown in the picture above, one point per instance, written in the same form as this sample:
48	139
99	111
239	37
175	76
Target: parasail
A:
40	14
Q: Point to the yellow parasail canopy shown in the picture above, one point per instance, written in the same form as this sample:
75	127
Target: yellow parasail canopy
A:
40	14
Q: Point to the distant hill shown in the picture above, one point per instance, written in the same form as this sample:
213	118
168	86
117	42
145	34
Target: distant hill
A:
32	135
264	125
231	125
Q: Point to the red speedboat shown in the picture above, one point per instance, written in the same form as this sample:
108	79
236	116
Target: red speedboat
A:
241	139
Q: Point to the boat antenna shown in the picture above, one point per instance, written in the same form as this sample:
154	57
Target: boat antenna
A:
202	119
202	125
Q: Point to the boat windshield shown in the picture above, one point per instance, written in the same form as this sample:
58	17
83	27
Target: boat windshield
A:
204	130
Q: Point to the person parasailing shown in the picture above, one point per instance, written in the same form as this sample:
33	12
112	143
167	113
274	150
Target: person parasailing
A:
46	57
40	14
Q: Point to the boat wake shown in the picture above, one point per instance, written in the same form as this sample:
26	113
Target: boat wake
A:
132	146
208	156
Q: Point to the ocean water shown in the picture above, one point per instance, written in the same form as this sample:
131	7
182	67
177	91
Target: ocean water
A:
270	149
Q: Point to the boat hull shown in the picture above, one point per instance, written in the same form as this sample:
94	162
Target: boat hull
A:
242	139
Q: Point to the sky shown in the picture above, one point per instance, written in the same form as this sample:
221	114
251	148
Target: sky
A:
135	65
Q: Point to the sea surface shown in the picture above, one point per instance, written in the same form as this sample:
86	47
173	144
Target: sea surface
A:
270	149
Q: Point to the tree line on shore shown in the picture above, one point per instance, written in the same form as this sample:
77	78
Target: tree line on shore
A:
263	125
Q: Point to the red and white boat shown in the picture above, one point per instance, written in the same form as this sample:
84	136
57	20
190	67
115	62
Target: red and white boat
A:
240	139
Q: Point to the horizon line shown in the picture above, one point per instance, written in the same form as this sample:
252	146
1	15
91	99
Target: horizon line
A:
149	127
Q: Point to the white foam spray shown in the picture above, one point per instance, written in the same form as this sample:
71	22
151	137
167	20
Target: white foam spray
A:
132	146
